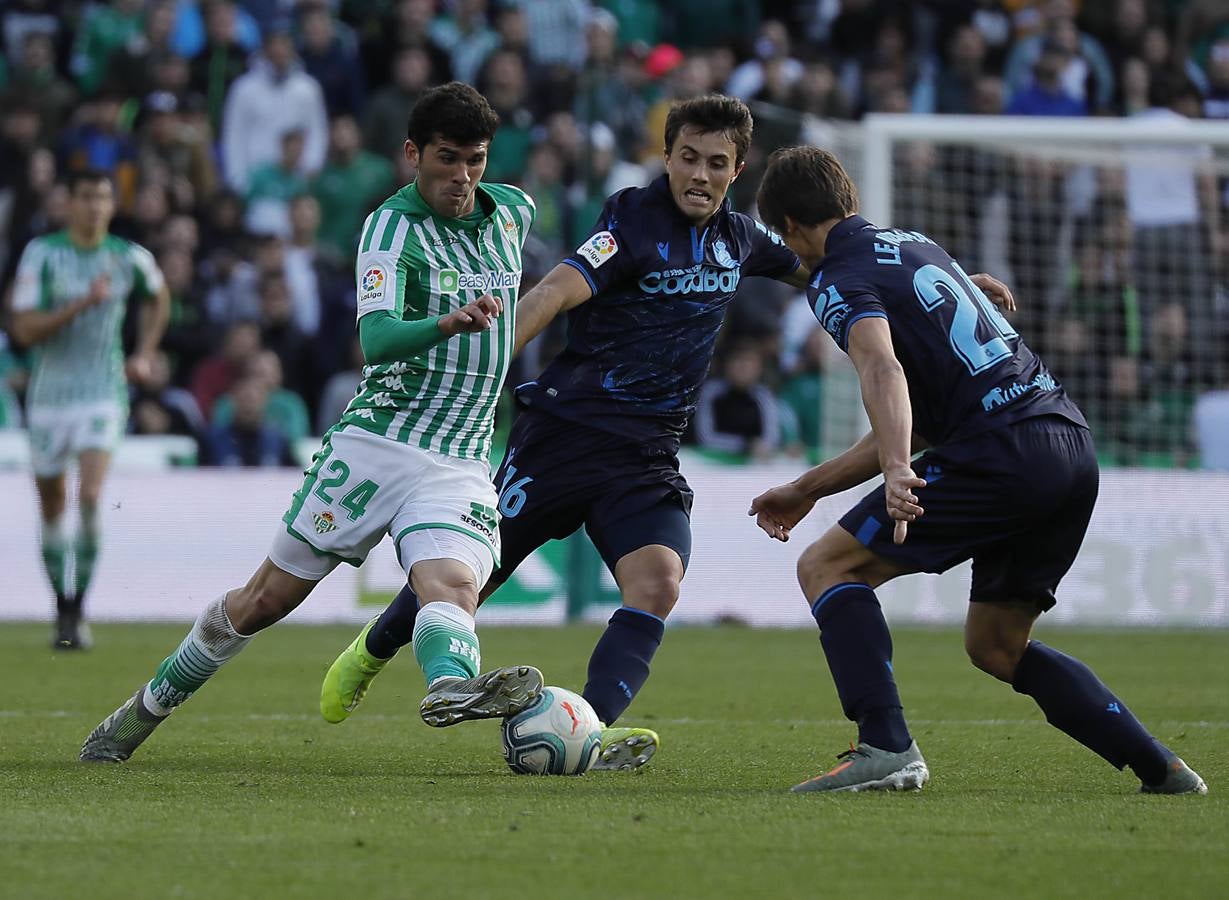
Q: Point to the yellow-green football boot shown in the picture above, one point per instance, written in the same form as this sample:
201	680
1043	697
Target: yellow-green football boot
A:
625	749
345	684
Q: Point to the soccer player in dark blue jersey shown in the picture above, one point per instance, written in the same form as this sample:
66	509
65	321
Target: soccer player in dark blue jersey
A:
1009	480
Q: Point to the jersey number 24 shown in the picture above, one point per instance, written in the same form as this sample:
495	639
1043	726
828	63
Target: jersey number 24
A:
936	286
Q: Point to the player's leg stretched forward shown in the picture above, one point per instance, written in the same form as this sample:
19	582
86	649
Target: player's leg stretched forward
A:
648	578
838	576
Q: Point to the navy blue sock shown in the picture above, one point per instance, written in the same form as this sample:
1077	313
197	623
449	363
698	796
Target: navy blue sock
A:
395	627
619	666
1076	702
858	646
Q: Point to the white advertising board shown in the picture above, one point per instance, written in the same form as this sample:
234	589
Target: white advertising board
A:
1157	553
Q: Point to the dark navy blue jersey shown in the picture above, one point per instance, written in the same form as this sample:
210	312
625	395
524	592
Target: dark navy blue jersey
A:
968	371
638	350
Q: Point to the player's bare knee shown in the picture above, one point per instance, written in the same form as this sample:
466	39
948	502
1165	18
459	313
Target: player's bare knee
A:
456	584
654	592
995	657
820	567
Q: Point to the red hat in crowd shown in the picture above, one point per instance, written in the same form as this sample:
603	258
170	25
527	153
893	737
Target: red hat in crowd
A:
662	60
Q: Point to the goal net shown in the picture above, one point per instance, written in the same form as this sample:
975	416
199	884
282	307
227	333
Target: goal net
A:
1109	232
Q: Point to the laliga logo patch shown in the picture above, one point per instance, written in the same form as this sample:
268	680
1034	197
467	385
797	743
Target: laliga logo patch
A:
371	285
599	248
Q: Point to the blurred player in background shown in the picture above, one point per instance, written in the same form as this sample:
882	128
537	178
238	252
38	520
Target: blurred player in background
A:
409	457
71	293
597	439
1009	481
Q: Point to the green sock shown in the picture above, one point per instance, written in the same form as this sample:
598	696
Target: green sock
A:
445	644
210	643
54	552
85	551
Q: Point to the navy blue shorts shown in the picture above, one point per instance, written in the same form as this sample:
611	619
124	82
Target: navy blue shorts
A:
1015	500
558	475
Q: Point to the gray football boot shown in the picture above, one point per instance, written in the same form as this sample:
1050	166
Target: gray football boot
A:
1179	779
491	695
120	733
867	768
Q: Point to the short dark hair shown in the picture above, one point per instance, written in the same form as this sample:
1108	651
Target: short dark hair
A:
712	113
807	184
86	176
453	111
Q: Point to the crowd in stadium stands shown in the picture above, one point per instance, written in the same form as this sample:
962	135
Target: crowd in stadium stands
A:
248	139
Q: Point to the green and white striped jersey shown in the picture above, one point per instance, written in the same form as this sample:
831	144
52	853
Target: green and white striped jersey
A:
83	363
420	264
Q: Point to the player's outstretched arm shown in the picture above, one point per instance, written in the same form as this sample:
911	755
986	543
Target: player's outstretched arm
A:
885	394
562	289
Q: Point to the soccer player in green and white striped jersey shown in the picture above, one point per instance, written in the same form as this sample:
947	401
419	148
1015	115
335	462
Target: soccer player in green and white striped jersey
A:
69	300
438	273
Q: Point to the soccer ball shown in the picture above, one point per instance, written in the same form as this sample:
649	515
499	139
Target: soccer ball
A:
559	734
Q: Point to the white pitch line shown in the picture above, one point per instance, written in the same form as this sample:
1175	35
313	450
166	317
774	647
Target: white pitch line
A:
408	717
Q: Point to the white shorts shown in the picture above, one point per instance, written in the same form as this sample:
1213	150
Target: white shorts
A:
59	434
361	487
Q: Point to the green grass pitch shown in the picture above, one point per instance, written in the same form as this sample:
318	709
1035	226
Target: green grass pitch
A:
247	793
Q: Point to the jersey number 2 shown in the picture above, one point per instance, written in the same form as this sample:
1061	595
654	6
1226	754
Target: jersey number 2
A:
935	286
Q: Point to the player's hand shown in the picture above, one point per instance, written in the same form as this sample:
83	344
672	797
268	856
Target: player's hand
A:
100	291
472	317
899	485
777	511
998	293
139	368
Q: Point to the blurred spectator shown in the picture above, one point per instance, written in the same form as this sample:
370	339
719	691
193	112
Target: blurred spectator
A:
556	31
129	67
802	392
1170	381
1047	94
1173	206
1216	98
249	440
97	141
304	262
1134	84
273	185
279	333
20	194
23	17
351	184
505	84
605	174
544	181
409	25
222	59
639	20
173	144
386	115
331	57
466	34
189	336
698	24
512	27
102	31
1085	73
817	93
215	375
158	407
737	413
772	50
285	411
275	97
961	68
340	389
683	78
34	76
605	94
